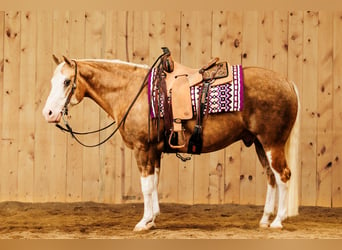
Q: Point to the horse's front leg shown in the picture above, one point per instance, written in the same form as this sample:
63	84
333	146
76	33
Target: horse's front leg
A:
149	169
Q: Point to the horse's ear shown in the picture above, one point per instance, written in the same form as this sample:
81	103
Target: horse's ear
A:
55	59
67	61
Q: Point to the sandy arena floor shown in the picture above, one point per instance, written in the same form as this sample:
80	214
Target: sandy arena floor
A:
103	221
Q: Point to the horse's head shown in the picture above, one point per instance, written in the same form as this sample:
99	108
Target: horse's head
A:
65	90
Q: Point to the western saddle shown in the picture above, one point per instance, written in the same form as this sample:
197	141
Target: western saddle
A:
177	80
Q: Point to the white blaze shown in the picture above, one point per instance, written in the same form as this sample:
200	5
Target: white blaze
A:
57	97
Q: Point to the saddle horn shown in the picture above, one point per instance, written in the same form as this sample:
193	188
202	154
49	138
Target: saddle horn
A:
167	61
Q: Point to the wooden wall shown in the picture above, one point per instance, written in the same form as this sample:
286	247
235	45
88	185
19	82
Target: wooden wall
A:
39	163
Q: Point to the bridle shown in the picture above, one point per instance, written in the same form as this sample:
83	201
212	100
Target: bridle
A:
71	93
68	127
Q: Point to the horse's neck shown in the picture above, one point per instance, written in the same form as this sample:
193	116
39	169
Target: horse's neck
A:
111	86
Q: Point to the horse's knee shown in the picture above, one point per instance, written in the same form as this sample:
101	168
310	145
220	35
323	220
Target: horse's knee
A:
146	171
147	161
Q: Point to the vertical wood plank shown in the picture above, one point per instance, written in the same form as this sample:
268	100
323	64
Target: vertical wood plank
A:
11	88
173	33
226	37
216	160
280	45
156	33
248	155
195	41
324	109
107	150
94	21
266	32
111	25
295	65
216	177
127	154
123	49
309	104
201	25
337	113
2	62
74	154
141	56
27	105
227	43
186	170
265	38
165	32
58	154
140	37
280	42
170	164
43	142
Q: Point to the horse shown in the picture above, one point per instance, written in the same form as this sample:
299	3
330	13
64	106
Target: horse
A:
269	120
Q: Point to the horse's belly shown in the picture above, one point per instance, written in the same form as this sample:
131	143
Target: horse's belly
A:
219	130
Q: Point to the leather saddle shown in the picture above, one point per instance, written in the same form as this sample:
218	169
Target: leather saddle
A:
179	79
197	76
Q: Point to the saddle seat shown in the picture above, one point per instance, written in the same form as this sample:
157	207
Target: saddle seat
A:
194	76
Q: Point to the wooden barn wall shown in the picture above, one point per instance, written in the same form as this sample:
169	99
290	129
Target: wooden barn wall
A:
39	163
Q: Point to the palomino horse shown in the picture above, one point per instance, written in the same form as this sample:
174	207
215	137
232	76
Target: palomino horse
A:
271	108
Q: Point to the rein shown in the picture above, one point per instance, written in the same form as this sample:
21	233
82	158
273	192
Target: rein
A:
65	111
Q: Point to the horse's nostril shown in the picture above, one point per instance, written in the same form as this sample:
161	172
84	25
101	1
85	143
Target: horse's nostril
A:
50	113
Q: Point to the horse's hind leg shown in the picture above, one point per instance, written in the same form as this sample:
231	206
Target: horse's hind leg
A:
277	161
271	186
270	201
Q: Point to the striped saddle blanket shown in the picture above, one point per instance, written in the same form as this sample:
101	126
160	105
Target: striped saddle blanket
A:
226	97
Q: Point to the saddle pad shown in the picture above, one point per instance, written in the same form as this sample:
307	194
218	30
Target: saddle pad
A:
226	97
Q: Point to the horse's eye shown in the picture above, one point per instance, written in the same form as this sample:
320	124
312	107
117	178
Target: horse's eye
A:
67	82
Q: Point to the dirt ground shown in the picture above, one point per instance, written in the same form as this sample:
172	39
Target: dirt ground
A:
103	221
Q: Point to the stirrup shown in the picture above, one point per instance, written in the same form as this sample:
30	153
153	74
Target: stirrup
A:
177	146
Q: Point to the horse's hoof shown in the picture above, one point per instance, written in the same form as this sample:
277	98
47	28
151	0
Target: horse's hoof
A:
264	222
264	225
151	225
141	228
276	225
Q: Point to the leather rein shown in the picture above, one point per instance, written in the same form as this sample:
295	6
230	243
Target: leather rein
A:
74	133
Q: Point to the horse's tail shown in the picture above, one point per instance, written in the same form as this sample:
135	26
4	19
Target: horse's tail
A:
292	155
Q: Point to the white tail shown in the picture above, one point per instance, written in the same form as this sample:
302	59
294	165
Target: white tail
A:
292	153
